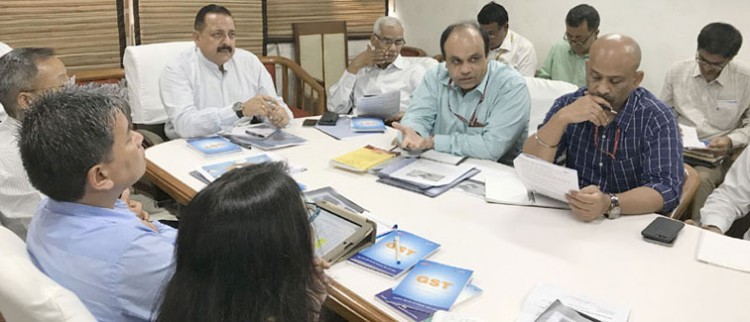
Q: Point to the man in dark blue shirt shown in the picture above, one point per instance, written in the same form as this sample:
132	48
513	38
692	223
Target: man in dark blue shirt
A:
623	141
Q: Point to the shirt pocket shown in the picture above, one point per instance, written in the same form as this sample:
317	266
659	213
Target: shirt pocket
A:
623	175
725	116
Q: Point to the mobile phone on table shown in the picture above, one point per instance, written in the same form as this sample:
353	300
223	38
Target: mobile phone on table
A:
309	122
662	231
328	118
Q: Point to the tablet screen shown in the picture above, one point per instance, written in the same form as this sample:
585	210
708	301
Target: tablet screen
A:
330	231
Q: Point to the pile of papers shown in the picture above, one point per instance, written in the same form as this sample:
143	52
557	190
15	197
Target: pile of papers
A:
262	136
696	152
541	305
425	176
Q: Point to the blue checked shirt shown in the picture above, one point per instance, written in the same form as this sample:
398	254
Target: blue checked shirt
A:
647	154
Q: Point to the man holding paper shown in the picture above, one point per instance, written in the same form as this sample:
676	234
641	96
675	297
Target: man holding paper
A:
468	106
711	92
623	141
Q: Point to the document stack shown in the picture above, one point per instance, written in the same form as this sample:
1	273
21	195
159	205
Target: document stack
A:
381	257
263	136
425	176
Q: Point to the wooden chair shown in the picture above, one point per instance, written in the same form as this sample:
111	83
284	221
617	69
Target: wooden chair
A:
413	52
689	188
302	92
321	49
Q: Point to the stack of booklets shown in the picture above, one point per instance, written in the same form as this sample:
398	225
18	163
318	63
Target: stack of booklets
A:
210	172
703	157
362	159
425	176
367	124
381	257
263	136
213	146
430	287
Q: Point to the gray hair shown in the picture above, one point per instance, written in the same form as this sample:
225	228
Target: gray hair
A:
385	21
18	72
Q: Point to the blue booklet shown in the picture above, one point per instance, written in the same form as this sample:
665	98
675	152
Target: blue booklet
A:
381	256
469	292
431	286
213	146
213	171
367	124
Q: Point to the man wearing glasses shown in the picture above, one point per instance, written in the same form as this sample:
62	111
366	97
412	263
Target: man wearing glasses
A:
566	60
623	142
377	70
506	45
468	106
711	92
215	84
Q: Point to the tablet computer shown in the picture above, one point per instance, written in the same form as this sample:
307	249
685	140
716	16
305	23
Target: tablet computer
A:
339	233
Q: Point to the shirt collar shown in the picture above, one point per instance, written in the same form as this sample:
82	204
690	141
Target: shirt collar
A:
211	65
573	53
624	116
119	213
721	80
507	44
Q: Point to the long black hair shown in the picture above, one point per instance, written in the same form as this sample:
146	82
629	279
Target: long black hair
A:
244	252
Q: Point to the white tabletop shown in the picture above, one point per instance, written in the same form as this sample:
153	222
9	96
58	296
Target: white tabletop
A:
511	249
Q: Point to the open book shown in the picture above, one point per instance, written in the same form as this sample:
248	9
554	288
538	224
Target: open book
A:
507	188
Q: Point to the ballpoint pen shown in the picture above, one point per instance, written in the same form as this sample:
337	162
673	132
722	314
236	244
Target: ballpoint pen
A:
250	133
397	244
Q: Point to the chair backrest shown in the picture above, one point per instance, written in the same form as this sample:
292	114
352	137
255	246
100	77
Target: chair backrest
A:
26	294
321	49
427	62
543	93
689	188
408	51
143	67
302	92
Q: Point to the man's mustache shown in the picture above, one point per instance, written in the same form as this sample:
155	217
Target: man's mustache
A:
224	48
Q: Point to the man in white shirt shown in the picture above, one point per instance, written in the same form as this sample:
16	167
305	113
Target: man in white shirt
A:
711	92
378	70
4	49
213	85
506	45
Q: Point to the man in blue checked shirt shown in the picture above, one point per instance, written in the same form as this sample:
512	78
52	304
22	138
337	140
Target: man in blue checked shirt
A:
623	141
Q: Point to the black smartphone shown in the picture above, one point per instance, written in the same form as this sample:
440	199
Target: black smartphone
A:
662	231
328	118
309	122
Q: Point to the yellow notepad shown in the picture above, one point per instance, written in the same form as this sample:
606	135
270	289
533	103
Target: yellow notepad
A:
362	159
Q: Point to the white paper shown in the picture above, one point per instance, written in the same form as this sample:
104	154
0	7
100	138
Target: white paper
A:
690	138
382	105
507	188
444	316
542	296
442	157
430	173
724	251
546	178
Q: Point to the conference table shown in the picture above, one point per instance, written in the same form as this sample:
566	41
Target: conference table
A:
511	249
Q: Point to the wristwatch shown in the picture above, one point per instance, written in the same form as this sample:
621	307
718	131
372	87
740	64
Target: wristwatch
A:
237	107
614	207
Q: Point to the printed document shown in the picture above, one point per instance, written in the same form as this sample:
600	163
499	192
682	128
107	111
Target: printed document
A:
546	178
724	251
507	188
544	295
430	173
690	138
381	105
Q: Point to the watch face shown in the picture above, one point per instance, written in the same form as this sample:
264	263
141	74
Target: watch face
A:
614	213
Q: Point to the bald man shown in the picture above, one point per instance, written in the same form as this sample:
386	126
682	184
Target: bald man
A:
468	106
623	141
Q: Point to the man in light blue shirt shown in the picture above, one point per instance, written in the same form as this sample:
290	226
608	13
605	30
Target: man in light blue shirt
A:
78	149
468	106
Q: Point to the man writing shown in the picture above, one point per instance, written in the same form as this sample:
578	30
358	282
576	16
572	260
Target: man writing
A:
623	141
212	86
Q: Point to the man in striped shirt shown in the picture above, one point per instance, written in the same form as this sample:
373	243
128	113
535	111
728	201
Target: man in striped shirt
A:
623	141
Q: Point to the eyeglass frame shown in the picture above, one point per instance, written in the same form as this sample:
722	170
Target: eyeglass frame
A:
578	42
389	42
68	82
715	66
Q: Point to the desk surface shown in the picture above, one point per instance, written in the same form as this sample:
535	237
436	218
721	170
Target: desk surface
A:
511	249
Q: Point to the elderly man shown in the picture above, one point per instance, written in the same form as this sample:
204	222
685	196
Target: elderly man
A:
468	105
78	149
377	70
711	92
566	60
623	141
213	85
506	45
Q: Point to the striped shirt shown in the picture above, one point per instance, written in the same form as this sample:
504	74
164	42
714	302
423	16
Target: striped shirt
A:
647	151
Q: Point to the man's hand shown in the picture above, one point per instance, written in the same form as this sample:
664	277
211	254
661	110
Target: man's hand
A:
589	203
137	208
367	58
706	227
722	144
411	140
587	108
257	106
277	114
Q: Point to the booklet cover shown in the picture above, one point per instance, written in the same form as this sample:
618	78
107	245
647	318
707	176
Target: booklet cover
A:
367	124
213	171
431	286
362	159
381	256
469	292
213	146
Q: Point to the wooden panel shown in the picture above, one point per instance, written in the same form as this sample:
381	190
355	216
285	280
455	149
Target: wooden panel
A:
163	21
359	15
84	33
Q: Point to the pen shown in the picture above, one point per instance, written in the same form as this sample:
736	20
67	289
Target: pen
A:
255	134
397	244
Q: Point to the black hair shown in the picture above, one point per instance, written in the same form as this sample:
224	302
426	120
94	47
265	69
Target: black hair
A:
582	12
492	12
244	252
720	38
66	132
18	72
471	25
200	18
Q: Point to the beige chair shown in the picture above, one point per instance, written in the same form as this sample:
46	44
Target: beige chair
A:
26	294
321	49
543	93
301	92
689	188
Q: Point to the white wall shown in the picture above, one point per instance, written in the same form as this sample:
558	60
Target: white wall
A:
666	29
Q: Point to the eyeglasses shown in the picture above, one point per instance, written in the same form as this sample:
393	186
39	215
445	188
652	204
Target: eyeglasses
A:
313	210
471	122
614	148
218	35
68	82
388	42
577	42
712	65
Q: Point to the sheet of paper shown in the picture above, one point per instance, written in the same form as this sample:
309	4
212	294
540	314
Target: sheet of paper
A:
545	178
542	296
442	157
507	188
690	138
430	173
445	316
381	105
724	251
